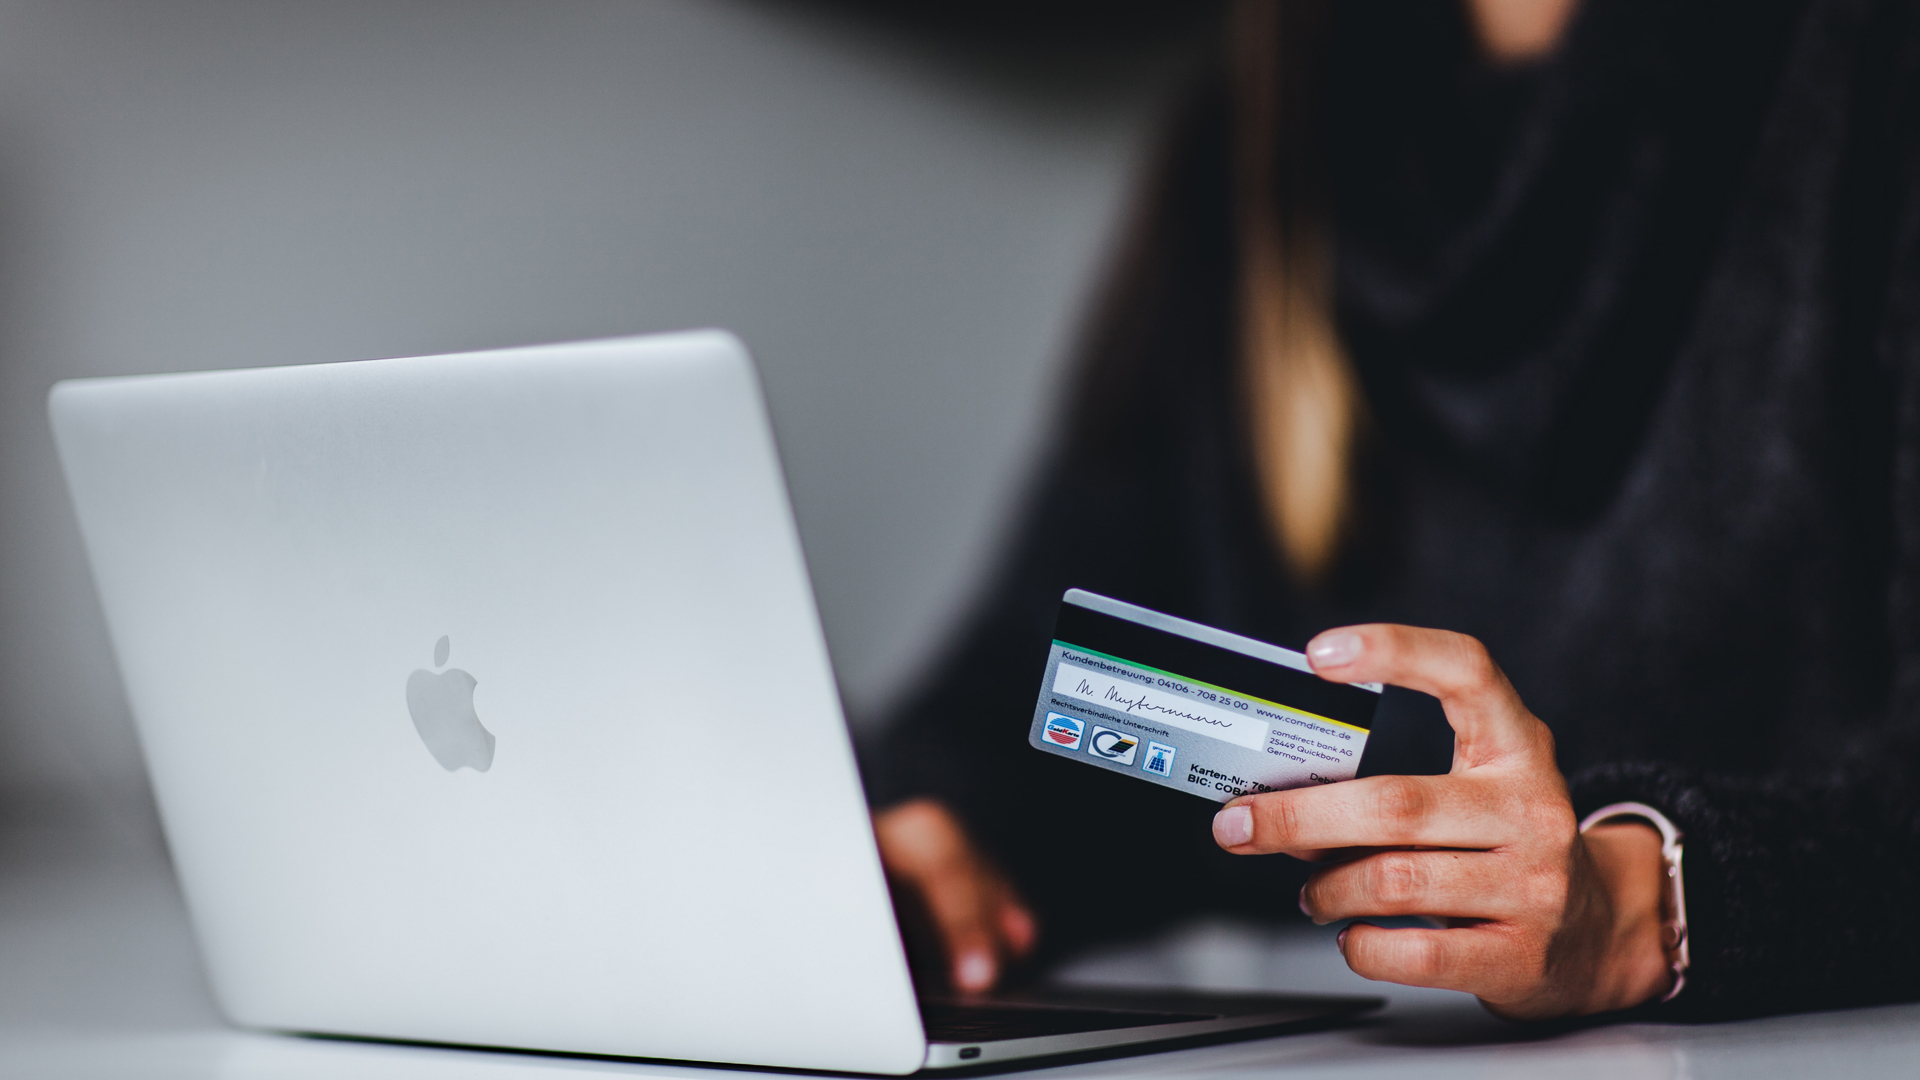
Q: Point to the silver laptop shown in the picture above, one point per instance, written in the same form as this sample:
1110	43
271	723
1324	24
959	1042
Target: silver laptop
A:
486	703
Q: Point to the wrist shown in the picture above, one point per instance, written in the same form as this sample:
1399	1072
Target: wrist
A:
1635	967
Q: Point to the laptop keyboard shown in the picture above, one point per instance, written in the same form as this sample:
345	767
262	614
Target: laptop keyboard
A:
950	1022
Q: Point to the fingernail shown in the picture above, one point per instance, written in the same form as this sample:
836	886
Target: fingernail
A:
1018	925
1233	826
1303	902
1333	650
973	971
1340	940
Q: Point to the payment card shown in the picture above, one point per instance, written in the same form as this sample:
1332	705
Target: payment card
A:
1201	710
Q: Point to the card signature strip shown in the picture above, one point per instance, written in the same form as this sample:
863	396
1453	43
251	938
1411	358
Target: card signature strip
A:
1188	681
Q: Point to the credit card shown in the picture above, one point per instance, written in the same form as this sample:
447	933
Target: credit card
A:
1193	708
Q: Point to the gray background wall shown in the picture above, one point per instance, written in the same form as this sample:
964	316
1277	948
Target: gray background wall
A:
902	223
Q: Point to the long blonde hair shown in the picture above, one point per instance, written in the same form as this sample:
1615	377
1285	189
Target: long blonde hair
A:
1303	399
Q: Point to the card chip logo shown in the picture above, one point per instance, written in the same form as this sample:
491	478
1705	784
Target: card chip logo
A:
1159	759
1064	730
1113	745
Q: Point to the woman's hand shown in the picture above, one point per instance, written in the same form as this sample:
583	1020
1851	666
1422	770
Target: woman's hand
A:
1540	921
978	918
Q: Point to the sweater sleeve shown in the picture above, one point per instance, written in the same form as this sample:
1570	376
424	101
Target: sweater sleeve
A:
1799	884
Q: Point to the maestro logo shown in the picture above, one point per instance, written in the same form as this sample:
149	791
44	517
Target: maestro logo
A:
442	708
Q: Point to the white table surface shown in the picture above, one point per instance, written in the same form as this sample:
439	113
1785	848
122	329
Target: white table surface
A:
98	978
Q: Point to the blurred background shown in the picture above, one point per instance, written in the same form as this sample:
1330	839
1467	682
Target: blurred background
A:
901	211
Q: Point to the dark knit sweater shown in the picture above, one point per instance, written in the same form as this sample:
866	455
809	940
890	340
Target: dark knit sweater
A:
1639	331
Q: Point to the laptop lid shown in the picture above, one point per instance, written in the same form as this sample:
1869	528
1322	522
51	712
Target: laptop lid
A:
486	702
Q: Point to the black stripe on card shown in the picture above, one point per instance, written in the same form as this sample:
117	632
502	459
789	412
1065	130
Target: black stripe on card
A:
1099	632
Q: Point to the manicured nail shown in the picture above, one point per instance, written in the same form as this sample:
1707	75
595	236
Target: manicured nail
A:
973	971
1233	826
1340	941
1333	650
1303	902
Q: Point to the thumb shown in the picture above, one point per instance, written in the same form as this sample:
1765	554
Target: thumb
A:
1488	718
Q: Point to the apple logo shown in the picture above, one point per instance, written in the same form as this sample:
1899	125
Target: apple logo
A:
442	708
